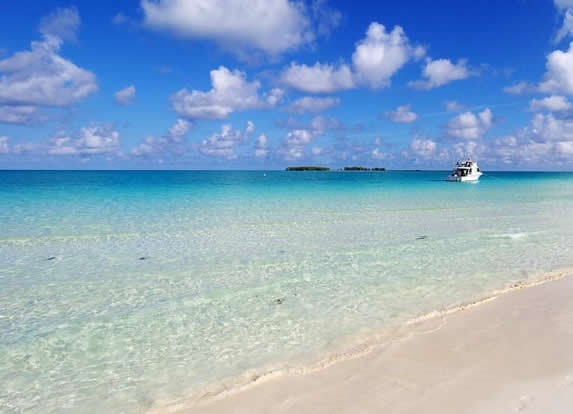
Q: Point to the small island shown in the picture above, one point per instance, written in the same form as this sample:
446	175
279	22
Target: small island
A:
308	168
357	168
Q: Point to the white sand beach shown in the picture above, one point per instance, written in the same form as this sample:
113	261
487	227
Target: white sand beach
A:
511	354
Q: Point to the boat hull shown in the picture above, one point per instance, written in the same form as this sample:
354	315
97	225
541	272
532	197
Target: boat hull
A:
468	178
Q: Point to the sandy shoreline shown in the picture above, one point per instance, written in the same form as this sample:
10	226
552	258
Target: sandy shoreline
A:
508	353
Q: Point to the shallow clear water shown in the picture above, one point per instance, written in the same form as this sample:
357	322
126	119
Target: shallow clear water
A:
241	270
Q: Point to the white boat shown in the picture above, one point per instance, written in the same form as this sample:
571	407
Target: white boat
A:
467	170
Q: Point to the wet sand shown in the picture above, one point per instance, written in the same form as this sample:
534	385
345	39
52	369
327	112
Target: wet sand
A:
508	354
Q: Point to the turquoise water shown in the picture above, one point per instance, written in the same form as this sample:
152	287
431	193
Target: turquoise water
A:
119	289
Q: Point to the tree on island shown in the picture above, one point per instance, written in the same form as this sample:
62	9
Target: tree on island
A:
358	168
308	168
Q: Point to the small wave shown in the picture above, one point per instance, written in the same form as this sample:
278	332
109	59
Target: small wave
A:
510	236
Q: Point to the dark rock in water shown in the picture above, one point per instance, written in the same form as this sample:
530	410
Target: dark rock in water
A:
51	258
422	238
279	301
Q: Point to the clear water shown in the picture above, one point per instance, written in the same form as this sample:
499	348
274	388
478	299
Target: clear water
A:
241	270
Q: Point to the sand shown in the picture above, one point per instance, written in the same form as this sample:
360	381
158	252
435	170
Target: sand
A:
512	354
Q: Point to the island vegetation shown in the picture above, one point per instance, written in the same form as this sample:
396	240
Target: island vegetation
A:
358	168
308	168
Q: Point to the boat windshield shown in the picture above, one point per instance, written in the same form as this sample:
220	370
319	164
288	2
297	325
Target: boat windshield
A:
461	172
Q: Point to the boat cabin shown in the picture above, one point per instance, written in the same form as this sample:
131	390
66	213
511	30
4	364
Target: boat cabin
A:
463	169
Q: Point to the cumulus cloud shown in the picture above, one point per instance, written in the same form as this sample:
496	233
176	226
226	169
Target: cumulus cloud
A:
378	154
93	140
402	115
18	114
4	147
261	146
375	60
270	26
224	143
172	142
546	127
41	76
313	104
125	96
381	54
520	88
470	126
423	147
548	139
567	26
554	103
320	78
565	7
529	151
230	92
558	77
294	145
453	106
63	24
440	72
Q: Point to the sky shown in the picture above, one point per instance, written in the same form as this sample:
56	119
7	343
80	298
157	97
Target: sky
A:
266	84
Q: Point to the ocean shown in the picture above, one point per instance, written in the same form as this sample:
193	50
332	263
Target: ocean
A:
124	290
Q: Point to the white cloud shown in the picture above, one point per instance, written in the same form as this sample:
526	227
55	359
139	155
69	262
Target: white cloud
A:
271	26
520	88
423	147
125	96
472	149
326	17
559	75
380	55
378	154
179	130
297	139
320	78
563	4
317	150
93	140
172	142
313	104
18	114
440	72
546	127
375	60
223	144
554	103
63	24
230	92
567	26
4	147
453	106
261	149
295	143
470	126
402	114
40	76
547	140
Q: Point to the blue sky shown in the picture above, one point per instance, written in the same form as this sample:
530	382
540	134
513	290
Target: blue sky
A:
264	84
